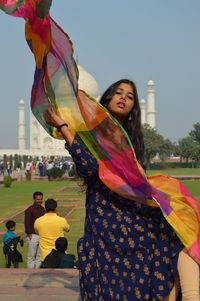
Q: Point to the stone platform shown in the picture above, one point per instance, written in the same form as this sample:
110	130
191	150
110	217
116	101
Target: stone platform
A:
39	285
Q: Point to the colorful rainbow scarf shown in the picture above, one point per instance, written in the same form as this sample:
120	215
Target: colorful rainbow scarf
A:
56	82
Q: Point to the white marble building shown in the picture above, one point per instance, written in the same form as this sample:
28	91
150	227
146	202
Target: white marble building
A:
41	144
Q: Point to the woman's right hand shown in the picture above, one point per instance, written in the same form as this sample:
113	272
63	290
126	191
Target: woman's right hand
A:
54	120
51	118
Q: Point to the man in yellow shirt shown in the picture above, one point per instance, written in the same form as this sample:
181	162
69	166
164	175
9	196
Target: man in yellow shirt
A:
49	227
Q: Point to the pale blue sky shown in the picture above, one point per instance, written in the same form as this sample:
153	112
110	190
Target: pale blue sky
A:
141	40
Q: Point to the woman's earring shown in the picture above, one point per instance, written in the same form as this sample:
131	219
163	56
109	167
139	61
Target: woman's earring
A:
130	118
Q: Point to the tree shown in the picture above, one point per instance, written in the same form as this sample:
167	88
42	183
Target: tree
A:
55	173
189	149
167	148
16	161
156	144
24	160
190	145
11	160
195	133
5	159
153	142
195	153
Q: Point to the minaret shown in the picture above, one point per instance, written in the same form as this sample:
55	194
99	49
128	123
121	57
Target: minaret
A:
151	113
143	111
21	125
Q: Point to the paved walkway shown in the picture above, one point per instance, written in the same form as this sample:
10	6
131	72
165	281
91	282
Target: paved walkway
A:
39	285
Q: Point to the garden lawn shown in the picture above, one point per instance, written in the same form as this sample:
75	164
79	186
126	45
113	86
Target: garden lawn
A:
71	202
14	200
194	188
177	171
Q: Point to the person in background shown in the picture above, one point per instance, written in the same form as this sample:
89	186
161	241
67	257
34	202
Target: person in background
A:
31	214
49	227
58	257
10	241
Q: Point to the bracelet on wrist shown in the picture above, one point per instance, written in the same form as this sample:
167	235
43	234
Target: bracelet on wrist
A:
60	126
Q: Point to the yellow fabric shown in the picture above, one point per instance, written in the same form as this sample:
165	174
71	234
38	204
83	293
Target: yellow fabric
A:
49	227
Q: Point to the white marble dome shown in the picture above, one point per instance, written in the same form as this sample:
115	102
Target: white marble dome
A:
87	82
40	141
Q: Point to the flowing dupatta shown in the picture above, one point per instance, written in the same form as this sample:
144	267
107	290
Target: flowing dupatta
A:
56	82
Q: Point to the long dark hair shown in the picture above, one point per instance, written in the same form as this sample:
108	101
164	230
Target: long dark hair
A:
132	124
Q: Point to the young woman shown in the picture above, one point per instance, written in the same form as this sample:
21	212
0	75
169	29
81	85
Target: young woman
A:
128	251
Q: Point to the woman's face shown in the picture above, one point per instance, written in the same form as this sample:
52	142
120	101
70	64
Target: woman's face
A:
122	102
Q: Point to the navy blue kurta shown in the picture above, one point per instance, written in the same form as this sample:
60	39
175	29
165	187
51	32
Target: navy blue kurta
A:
128	252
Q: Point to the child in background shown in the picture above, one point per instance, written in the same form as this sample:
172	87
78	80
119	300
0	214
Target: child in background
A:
58	258
10	241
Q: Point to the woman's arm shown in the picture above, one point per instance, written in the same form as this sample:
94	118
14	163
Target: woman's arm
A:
86	164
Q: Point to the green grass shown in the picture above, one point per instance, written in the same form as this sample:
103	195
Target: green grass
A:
71	201
20	194
177	171
193	187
